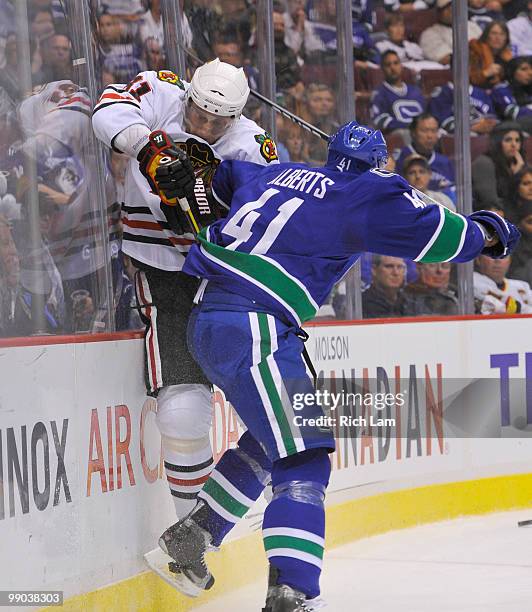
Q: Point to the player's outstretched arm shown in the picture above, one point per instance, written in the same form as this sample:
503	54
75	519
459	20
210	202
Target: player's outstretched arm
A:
401	223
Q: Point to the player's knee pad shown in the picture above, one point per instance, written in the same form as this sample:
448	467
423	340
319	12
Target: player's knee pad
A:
302	477
184	415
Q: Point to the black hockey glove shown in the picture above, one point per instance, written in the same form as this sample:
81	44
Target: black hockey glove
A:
508	235
167	169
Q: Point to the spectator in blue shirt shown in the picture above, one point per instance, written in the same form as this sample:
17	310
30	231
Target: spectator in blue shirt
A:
482	114
424	132
513	98
395	103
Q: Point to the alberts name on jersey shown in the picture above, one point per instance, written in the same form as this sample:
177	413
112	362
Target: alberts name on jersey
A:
303	180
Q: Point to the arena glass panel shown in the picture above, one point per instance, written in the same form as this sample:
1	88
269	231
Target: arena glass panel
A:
474	148
307	68
411	98
60	238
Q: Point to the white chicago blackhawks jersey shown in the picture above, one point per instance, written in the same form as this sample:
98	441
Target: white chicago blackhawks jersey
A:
157	100
515	296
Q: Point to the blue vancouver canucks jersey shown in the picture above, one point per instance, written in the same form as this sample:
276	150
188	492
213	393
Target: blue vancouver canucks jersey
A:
506	105
292	232
442	105
394	108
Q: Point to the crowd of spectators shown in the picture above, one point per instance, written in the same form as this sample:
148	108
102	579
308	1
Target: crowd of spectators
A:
54	264
410	97
402	61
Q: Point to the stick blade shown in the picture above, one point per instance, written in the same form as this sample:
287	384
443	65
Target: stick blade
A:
158	561
527	523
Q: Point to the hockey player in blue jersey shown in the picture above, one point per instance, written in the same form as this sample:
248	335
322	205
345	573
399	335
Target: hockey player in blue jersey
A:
290	234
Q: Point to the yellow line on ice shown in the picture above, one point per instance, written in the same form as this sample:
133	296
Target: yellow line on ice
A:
243	561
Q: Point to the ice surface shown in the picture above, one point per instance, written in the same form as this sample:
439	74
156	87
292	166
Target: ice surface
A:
477	564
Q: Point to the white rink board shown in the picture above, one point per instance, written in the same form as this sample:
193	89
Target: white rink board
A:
458	349
98	537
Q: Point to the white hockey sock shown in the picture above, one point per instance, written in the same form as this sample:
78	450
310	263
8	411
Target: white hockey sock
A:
186	473
184	417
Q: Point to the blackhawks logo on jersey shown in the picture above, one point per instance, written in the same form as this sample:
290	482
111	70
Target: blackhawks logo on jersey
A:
203	161
170	77
201	157
267	146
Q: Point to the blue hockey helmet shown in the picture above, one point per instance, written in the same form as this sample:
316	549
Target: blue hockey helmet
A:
355	148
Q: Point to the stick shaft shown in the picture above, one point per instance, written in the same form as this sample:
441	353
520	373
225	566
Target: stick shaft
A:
286	113
185	207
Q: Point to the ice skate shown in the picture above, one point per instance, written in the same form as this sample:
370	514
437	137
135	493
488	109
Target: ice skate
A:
283	598
186	542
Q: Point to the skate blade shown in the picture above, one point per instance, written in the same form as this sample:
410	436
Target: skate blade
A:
158	561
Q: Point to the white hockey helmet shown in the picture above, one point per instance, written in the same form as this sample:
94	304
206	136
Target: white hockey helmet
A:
219	88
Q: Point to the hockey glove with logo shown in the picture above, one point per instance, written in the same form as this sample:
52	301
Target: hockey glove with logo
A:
167	169
504	233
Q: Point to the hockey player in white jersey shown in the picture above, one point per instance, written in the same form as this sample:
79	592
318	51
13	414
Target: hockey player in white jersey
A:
152	119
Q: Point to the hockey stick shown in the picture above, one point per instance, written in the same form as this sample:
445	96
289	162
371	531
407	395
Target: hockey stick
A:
289	115
276	107
185	207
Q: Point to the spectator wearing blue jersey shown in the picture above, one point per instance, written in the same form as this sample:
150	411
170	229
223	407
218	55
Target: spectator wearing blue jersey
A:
424	132
322	38
395	103
119	54
361	11
481	114
494	173
512	99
